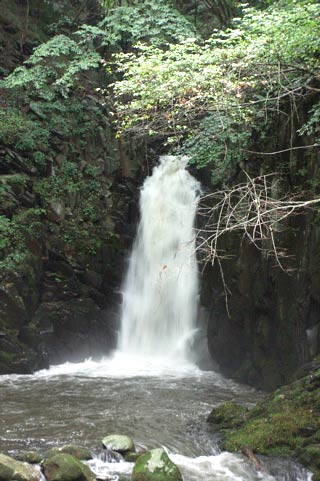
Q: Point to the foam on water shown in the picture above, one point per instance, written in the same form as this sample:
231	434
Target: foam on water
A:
122	365
221	467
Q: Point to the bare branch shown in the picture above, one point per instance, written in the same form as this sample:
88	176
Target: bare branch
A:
282	151
250	209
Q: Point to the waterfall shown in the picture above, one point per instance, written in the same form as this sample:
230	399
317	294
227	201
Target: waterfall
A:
161	287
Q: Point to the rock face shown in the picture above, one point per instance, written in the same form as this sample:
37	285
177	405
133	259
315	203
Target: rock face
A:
274	317
118	443
11	469
155	465
64	467
272	325
66	222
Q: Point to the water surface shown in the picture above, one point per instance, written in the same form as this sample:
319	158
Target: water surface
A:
156	401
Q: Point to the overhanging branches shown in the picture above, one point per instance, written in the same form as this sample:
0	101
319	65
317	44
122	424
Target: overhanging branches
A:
250	209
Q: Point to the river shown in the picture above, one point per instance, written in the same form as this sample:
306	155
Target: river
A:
156	402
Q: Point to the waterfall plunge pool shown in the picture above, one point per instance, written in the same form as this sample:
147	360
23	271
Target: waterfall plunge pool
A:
158	402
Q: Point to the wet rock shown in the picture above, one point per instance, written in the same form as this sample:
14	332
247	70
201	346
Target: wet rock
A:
12	308
155	465
31	457
227	415
64	467
119	443
132	457
76	451
57	211
13	469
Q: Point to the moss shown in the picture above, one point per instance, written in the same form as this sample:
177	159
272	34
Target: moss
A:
64	467
310	456
227	415
273	433
155	465
31	457
12	469
76	451
119	443
285	423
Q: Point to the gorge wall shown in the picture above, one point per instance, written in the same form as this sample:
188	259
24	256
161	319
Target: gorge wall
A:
68	196
273	324
67	205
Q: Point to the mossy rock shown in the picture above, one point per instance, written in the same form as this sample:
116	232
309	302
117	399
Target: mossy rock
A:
31	457
76	451
285	423
118	443
12	469
131	457
64	467
155	465
228	415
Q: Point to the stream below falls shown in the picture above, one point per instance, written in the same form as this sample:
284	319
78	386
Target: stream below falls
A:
157	402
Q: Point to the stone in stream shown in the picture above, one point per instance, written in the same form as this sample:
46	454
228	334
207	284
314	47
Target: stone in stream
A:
75	451
12	469
31	457
155	465
118	443
64	467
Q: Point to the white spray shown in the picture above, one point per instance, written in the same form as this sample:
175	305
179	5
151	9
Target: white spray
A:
161	288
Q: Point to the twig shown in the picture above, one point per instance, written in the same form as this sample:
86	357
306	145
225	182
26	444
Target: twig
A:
281	151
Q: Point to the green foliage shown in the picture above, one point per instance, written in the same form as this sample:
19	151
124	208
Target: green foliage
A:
312	126
54	67
20	132
84	231
220	142
155	22
241	76
14	236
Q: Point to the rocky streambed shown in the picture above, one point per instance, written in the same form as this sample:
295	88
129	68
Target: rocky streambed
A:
75	463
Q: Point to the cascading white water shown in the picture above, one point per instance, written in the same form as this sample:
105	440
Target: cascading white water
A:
161	287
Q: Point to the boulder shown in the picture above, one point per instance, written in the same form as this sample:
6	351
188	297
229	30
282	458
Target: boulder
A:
12	469
228	415
155	465
118	443
76	451
31	457
64	467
